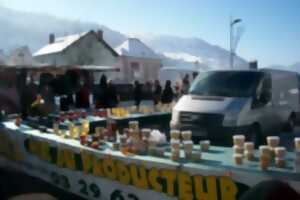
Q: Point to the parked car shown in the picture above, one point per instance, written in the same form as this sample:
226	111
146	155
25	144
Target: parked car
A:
224	103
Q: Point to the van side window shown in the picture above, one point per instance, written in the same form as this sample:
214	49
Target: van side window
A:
264	92
267	87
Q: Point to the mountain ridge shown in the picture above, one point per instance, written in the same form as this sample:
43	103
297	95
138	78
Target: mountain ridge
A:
174	50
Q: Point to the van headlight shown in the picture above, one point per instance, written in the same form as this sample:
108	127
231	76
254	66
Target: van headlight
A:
175	118
230	119
175	115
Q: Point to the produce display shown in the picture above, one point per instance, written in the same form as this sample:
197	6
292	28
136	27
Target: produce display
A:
134	140
268	154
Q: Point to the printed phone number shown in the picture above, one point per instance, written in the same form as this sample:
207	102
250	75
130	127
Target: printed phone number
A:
89	189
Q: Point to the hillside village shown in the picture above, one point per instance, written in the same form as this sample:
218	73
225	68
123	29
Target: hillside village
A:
133	58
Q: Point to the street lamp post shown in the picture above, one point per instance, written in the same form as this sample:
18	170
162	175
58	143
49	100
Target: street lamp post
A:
232	51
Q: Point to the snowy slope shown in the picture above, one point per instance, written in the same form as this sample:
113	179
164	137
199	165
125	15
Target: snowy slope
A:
16	32
295	67
190	50
183	56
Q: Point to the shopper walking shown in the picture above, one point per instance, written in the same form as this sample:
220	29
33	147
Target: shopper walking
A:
157	92
168	94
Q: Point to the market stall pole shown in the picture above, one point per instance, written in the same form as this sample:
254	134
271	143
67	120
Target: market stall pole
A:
107	173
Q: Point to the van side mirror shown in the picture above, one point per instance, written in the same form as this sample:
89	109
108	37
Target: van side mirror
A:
264	97
261	99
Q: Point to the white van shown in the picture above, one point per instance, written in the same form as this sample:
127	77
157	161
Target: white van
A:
224	103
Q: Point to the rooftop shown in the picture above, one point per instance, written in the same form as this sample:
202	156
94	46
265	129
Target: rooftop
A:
60	44
135	48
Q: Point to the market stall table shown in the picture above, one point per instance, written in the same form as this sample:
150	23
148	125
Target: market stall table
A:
107	174
93	120
157	120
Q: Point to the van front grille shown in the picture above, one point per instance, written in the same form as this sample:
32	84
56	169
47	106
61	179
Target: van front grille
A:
203	120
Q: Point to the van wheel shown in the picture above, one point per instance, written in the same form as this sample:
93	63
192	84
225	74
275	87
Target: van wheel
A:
255	135
291	123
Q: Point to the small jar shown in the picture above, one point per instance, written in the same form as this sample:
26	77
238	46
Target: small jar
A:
249	155
186	135
175	144
273	141
280	162
280	152
238	159
134	125
265	150
238	149
264	161
204	145
175	134
249	146
239	140
188	146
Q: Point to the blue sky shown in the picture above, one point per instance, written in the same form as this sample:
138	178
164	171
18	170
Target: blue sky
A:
272	26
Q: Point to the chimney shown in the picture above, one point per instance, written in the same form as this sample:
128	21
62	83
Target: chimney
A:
51	38
100	34
253	65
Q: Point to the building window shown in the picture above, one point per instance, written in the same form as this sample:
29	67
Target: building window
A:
135	67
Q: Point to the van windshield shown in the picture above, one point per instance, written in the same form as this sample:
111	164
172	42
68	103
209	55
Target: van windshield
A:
226	83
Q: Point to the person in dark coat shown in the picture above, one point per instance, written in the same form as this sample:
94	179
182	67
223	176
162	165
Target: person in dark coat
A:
111	95
137	93
185	84
48	96
101	93
64	90
157	92
168	94
83	96
28	95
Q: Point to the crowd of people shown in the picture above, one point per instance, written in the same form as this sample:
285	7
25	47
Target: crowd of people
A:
103	95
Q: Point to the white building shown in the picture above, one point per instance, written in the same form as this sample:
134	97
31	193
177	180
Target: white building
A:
137	62
87	48
20	56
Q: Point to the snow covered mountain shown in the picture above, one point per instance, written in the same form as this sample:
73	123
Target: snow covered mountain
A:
174	51
190	51
294	67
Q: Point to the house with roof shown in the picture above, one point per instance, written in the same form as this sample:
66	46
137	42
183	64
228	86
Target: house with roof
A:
20	56
87	48
137	62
